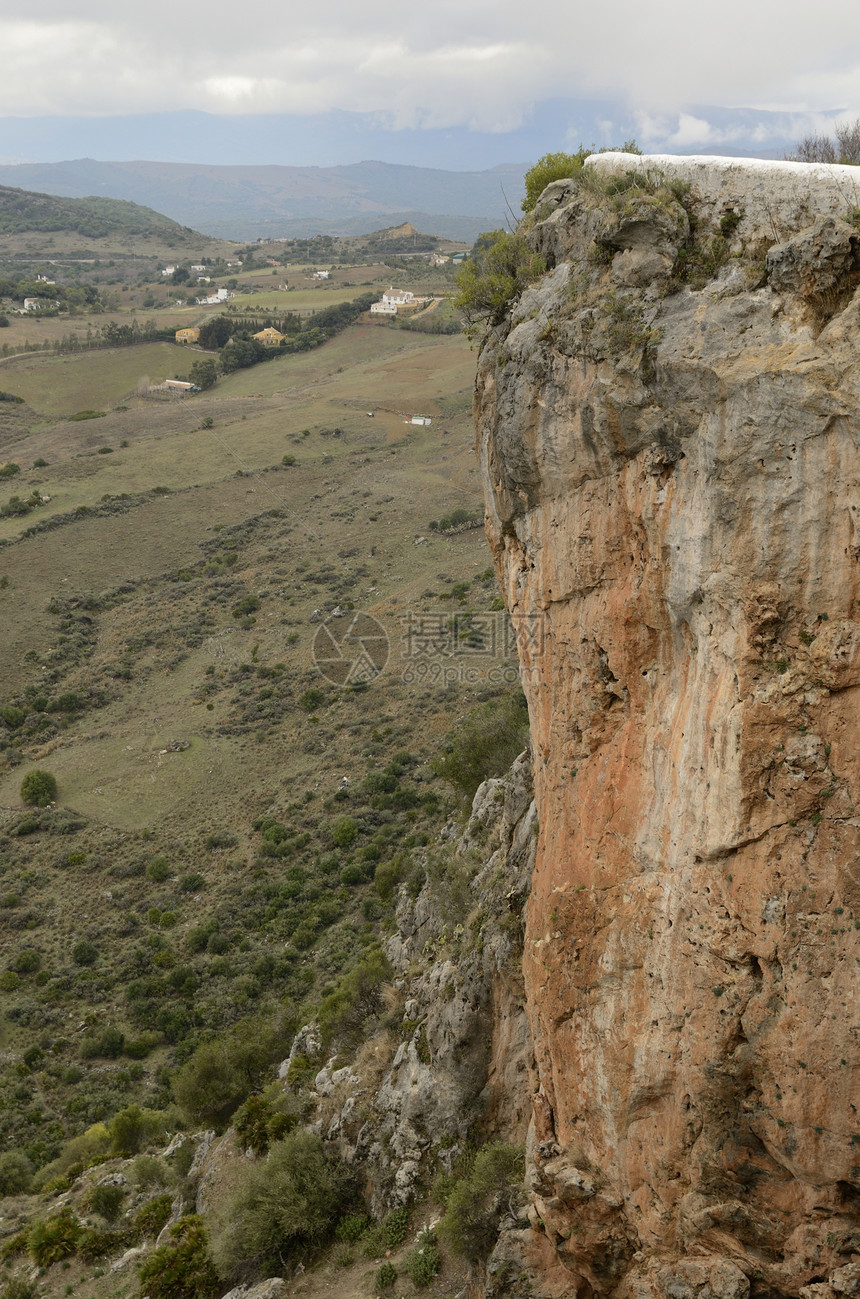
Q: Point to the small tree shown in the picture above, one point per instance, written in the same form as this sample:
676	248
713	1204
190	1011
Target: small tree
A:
204	373
38	788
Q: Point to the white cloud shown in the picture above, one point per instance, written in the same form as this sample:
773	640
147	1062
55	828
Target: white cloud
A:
447	64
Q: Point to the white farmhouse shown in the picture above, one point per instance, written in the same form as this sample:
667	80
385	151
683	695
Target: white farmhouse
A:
400	297
383	308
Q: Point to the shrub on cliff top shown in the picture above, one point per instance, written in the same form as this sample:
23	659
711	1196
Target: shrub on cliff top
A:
560	166
552	166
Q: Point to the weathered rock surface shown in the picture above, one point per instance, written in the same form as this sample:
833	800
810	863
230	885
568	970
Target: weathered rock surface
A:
673	484
466	1059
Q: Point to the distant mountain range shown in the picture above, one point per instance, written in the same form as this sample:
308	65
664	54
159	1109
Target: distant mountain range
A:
252	176
338	138
249	202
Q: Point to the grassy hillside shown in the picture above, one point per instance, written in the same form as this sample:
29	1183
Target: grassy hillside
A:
231	820
22	211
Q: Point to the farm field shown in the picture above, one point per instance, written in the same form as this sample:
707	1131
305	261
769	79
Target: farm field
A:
358	498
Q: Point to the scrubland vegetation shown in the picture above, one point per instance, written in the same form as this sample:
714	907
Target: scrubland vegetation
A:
203	838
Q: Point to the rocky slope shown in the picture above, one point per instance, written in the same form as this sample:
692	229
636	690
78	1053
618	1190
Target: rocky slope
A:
668	427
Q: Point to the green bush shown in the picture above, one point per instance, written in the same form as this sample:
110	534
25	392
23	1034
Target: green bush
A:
552	166
485	744
344	832
387	1234
94	1243
16	1172
133	1128
311	699
352	1227
221	1074
476	1202
388	875
423	1262
258	1123
250	604
38	788
203	373
358	997
27	961
106	1201
107	1044
386	1276
53	1239
501	265
20	1287
286	1205
157	870
149	1171
181	1269
151	1218
85	952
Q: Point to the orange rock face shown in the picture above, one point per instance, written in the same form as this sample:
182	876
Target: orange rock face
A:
672	468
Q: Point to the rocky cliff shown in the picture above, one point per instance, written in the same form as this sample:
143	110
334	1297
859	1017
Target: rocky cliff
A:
669	431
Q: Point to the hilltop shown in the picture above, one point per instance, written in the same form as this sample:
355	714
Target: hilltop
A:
22	211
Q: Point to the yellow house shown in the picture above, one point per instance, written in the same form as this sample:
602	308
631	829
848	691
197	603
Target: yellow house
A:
187	335
269	337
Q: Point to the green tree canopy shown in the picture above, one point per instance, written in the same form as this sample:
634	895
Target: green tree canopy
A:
39	788
204	373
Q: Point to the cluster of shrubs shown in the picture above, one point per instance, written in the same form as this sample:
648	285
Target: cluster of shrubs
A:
458	518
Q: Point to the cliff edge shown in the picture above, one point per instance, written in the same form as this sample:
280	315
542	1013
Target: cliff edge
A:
669	430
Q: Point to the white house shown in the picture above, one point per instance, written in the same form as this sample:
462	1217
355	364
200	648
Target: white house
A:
400	297
201	270
420	419
168	270
383	309
321	275
220	295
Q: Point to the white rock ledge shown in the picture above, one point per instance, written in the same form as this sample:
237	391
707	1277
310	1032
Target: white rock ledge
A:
775	198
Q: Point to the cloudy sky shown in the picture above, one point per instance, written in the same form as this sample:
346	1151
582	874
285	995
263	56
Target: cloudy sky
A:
477	64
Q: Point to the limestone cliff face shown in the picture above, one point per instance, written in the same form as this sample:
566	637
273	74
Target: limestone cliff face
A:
669	430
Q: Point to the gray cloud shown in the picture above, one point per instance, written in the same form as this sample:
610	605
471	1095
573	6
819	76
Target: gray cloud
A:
479	64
